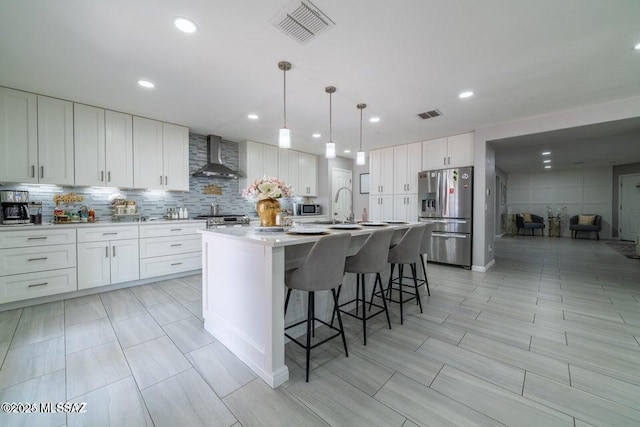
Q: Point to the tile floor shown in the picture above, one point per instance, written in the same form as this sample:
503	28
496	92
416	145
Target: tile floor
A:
550	336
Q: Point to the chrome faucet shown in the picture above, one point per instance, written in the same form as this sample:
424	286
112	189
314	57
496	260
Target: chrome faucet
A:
350	218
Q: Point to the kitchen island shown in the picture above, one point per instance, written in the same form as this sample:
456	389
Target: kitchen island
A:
243	290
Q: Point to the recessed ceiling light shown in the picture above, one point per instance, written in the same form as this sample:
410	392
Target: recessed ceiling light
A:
637	47
374	119
347	151
546	153
466	94
146	83
185	25
252	116
547	167
546	161
316	135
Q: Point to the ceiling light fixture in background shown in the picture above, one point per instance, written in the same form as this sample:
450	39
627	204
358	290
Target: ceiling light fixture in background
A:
284	138
466	94
253	116
347	151
546	153
185	25
546	161
547	167
316	135
637	47
374	119
330	146
360	156
146	83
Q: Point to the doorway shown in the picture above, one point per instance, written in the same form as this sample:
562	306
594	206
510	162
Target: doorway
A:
629	219
341	208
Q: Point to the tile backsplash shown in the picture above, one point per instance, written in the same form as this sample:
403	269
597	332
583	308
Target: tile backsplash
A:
154	203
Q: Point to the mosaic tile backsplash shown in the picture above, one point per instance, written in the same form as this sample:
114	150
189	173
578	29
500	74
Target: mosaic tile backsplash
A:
154	203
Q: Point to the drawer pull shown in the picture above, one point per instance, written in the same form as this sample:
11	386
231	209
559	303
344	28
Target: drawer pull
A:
109	234
37	238
176	244
38	259
38	284
114	250
176	229
106	251
176	263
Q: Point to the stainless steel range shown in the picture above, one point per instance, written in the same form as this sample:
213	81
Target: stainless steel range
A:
221	221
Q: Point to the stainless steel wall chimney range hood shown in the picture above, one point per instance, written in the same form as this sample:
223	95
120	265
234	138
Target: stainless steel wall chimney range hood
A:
215	168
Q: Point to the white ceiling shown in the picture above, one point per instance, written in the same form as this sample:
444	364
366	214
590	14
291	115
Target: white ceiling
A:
522	58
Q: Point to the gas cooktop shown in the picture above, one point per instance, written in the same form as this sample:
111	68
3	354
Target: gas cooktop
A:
230	219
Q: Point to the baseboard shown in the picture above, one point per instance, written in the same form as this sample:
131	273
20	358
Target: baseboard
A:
483	268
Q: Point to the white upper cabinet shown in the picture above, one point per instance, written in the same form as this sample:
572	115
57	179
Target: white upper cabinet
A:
119	149
307	175
381	171
449	152
55	141
298	170
18	136
147	154
89	143
256	161
160	155
270	160
407	160
103	147
175	143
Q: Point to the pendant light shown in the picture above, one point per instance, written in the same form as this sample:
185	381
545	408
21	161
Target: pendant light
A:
360	157
330	147
284	139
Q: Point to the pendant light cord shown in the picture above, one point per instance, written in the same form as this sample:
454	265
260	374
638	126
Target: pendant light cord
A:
361	129
284	78
330	122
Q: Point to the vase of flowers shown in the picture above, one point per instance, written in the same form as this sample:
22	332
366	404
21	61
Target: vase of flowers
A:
267	191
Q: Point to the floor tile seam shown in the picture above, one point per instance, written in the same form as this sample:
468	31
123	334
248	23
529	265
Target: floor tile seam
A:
112	321
11	347
178	347
292	395
593	396
89	348
602	397
604	354
226	405
34	378
164	379
84	321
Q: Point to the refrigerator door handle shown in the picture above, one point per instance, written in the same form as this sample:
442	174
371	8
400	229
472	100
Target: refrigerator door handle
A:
449	235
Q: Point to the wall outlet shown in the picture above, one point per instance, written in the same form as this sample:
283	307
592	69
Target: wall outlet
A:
297	298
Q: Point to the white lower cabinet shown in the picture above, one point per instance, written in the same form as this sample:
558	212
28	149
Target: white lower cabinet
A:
37	263
107	255
380	208
107	263
405	207
168	249
33	285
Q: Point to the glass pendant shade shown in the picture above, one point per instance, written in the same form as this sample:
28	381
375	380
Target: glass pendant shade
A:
284	140
361	160
330	150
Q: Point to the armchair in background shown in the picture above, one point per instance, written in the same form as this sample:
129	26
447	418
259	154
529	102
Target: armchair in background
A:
530	222
589	223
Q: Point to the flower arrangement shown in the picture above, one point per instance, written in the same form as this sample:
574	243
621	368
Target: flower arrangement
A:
268	188
560	213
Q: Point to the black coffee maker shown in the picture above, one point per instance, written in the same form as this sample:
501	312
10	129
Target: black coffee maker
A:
15	207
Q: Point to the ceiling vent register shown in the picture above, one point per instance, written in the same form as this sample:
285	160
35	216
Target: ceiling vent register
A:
430	114
302	21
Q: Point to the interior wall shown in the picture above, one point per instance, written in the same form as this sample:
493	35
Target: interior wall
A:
619	170
584	191
360	201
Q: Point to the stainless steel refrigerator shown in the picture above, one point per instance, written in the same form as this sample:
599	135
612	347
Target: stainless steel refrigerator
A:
446	200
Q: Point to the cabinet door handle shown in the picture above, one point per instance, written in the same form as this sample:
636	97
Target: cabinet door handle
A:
176	229
448	160
41	171
37	238
106	251
166	180
114	251
160	179
101	176
109	234
38	284
176	245
109	176
408	187
38	259
33	171
176	263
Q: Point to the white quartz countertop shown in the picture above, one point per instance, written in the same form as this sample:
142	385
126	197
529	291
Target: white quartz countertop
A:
285	238
51	226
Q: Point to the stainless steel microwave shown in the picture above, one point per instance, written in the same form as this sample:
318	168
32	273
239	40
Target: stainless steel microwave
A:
307	209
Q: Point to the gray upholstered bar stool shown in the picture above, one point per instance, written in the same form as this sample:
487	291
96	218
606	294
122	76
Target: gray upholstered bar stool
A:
406	252
370	259
425	247
322	270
